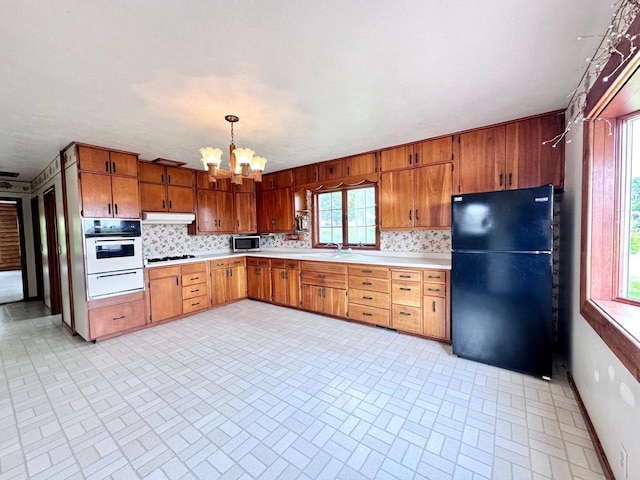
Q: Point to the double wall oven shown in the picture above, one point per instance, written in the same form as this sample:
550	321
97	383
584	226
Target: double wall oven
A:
113	257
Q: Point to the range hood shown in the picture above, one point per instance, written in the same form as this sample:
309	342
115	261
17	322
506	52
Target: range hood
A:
167	218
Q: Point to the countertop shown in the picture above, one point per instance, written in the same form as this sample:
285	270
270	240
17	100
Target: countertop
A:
440	261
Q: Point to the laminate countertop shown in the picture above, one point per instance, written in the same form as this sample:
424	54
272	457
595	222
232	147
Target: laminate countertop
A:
441	261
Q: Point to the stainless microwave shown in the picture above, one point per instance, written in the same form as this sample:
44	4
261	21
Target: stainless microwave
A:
245	243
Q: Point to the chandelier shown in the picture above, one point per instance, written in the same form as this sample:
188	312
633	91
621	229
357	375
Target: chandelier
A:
242	162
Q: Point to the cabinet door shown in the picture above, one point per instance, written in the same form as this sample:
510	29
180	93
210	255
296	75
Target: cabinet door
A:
247	185
264	211
165	298
312	297
151	173
255	283
93	160
284	210
434	318
395	158
116	318
153	197
529	162
482	160
279	286
180	199
330	170
219	286
360	165
305	174
433	196
124	164
206	211
335	301
238	283
96	195
293	288
179	177
226	219
434	151
126	201
396	200
245	204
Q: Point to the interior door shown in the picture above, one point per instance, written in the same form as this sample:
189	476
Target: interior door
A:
37	247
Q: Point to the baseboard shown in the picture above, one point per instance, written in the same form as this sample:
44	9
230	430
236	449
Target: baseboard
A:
604	463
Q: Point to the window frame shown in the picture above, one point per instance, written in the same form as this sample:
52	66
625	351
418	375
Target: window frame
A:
345	227
608	104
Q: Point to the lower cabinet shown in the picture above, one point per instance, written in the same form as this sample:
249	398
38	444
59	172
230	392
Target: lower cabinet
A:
406	300
228	280
165	293
436	313
327	300
195	287
116	315
369	294
259	278
285	282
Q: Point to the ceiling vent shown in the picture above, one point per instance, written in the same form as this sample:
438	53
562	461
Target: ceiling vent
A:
9	174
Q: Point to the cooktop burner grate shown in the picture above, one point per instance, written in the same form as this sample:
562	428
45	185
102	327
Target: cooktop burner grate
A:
169	258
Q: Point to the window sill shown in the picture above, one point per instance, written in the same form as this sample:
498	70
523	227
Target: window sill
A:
618	325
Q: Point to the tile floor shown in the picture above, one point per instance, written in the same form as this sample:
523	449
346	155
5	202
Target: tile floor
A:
252	390
11	286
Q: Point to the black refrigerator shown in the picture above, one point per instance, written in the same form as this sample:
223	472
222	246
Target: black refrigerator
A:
501	278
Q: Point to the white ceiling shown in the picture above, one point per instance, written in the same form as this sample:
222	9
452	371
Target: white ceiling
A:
310	80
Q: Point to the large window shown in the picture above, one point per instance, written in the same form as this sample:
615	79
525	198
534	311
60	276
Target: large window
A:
630	211
347	217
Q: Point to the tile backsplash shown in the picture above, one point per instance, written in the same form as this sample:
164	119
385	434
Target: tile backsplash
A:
158	240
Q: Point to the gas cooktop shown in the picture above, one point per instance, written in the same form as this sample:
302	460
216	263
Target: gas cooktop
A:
168	259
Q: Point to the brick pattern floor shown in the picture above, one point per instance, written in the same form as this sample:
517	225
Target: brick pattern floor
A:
252	390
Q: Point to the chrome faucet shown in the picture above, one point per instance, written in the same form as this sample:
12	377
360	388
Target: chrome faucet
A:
338	245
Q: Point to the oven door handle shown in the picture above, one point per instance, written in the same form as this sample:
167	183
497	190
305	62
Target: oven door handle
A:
117	274
127	240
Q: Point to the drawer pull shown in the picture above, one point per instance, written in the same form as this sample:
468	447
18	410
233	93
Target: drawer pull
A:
367	298
433	306
433	289
367	271
321	276
405	276
406	314
196	290
195	278
367	314
405	289
433	276
367	283
119	318
194	304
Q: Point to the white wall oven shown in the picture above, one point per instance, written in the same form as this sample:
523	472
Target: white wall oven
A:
113	257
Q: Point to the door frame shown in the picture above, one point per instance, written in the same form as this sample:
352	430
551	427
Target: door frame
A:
23	253
53	257
37	246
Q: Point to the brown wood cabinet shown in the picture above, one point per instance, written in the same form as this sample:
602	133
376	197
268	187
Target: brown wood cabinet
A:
436	321
166	189
195	287
259	279
406	300
214	212
165	293
99	160
438	150
369	288
115	315
305	174
331	170
271	181
416	198
285	282
246	216
360	165
275	211
482	160
228	280
324	287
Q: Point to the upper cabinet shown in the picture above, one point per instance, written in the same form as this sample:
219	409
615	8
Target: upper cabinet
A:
511	156
166	189
275	180
360	165
108	183
417	154
305	174
275	211
331	170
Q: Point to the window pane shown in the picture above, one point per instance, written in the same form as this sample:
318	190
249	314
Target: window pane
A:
631	215
361	214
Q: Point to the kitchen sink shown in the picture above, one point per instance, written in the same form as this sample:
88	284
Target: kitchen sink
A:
346	256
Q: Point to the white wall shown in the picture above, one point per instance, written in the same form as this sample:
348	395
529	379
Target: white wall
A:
28	238
610	393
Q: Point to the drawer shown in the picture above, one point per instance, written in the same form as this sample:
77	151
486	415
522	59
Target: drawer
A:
194	290
194	278
334	280
366	297
328	267
406	293
217	264
193	268
194	304
258	262
407	275
238	262
373	284
434	276
287	264
369	271
435	289
116	318
162	272
407	319
366	314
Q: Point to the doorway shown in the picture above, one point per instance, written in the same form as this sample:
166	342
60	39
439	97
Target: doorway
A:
12	257
37	247
53	258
